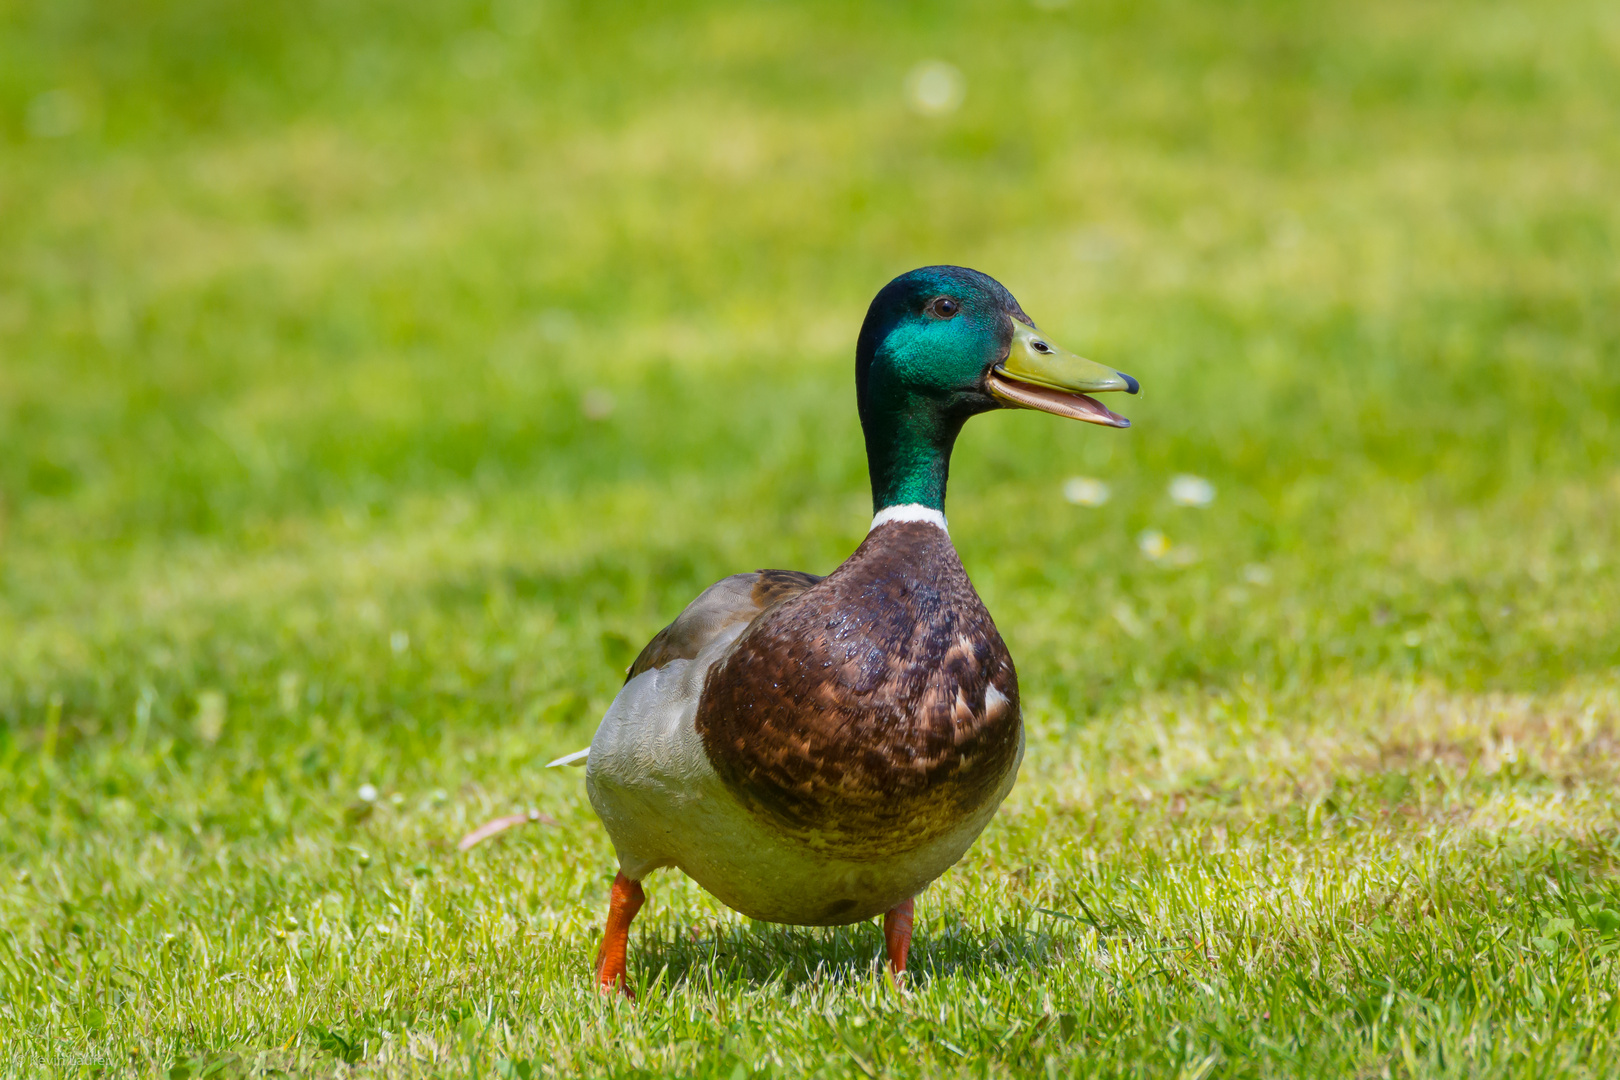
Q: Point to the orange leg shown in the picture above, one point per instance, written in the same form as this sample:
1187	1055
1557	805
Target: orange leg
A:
626	901
897	938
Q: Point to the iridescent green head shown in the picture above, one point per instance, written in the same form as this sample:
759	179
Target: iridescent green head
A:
944	343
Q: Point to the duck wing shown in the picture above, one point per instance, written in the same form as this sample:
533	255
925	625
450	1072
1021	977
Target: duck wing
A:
740	598
734	601
731	602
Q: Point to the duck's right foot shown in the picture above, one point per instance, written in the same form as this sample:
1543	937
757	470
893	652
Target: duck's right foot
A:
897	938
626	900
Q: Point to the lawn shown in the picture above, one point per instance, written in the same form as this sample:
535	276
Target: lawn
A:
376	378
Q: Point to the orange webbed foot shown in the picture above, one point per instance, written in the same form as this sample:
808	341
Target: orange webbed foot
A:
897	939
625	901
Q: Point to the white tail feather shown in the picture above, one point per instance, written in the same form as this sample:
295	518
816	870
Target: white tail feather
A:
576	758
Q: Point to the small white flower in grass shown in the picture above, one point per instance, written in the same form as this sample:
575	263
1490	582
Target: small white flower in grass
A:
1183	555
480	54
287	686
1189	490
367	793
1128	620
1413	638
54	114
1153	543
1095	245
400	642
210	718
1257	574
597	404
935	88
1085	491
557	326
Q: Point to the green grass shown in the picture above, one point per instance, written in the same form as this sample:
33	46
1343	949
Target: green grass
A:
310	315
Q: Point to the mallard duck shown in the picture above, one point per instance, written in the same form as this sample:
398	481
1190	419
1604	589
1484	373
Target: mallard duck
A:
817	750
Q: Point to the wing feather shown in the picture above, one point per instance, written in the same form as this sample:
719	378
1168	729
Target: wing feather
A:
738	598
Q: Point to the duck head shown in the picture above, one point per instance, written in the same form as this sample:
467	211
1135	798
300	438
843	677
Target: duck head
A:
942	344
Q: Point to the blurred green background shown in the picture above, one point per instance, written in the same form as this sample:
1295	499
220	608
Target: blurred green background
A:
376	378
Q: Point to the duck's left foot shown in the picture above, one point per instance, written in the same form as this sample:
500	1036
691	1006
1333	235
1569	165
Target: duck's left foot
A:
897	938
626	900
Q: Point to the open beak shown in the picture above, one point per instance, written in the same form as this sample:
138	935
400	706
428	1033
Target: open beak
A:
1039	375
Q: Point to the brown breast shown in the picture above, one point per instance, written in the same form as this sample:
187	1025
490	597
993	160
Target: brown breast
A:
858	715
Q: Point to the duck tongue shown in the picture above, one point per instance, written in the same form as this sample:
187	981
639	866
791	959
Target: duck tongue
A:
1075	406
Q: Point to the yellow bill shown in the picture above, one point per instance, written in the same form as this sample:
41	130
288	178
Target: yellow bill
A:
1039	375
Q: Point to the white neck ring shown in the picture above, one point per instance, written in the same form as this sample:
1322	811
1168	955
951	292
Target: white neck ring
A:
927	515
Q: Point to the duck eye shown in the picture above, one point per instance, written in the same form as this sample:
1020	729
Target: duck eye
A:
942	307
1042	347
